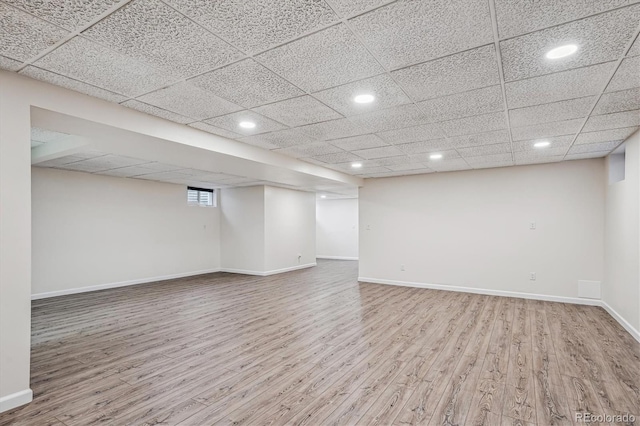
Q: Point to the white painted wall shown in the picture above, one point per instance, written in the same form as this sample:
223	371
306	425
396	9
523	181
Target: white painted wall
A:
242	229
337	229
289	228
15	246
91	230
621	289
471	228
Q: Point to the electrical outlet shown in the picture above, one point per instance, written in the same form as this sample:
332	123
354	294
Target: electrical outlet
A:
402	268
532	276
532	225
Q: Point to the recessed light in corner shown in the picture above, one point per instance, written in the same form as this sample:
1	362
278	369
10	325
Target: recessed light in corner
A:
542	144
435	156
247	124
364	99
356	165
562	51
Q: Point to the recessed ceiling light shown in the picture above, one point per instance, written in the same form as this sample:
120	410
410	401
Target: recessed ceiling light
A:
562	51
435	156
247	124
542	144
356	165
323	196
364	99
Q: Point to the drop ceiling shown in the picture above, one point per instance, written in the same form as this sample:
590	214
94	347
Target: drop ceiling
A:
467	79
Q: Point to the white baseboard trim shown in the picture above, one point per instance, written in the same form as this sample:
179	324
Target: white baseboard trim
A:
336	257
623	322
120	284
562	299
15	400
267	273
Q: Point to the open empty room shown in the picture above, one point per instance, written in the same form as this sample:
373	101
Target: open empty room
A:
319	212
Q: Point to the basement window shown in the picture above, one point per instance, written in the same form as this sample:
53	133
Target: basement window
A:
201	197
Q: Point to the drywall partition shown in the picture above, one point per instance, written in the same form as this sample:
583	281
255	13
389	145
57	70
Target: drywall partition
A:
15	247
337	229
472	230
290	237
242	229
621	288
92	232
267	230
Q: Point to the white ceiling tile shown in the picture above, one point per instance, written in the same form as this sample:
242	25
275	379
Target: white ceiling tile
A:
558	128
484	150
215	130
160	167
450	165
517	17
298	111
190	101
600	38
279	139
612	121
89	62
46	135
623	100
473	102
475	124
9	64
35	144
338	157
60	161
231	122
396	160
407	31
492	164
412	134
309	150
587	155
594	147
457	73
408	167
164	176
347	8
334	54
381	152
627	76
24	36
333	129
425	146
129	171
158	112
69	83
391	118
486	138
635	47
67	14
559	86
365	171
255	25
605	135
448	155
522	157
358	142
154	33
555	111
488	157
523	160
102	163
555	142
387	94
247	83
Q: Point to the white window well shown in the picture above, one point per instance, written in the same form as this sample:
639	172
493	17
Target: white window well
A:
201	197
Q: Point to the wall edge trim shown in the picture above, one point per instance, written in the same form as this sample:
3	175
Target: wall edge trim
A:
503	293
106	286
15	400
336	257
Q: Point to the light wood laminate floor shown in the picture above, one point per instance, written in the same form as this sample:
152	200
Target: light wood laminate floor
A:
315	347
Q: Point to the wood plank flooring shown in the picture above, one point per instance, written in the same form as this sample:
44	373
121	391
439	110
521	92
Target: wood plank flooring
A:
315	347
